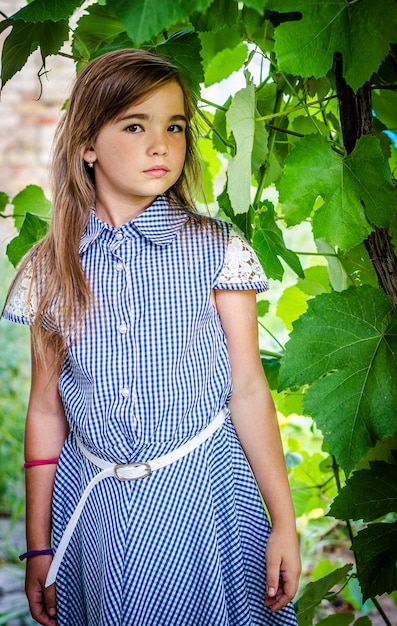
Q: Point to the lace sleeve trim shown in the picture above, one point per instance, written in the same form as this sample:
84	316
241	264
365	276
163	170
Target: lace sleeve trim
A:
241	265
22	302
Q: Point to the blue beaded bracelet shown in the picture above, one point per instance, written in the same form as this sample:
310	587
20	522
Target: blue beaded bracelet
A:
30	553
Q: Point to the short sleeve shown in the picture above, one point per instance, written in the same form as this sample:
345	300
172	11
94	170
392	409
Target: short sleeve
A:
241	268
22	302
21	305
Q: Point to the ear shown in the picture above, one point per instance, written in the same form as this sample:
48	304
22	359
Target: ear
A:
89	155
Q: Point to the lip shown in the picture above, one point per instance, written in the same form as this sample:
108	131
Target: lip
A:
157	171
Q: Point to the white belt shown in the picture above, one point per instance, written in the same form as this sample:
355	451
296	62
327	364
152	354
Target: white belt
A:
129	471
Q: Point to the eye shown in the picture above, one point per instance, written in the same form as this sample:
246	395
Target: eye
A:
134	128
176	128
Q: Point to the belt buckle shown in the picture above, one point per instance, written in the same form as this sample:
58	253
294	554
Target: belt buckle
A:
117	468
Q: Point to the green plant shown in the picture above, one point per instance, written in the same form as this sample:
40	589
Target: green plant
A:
14	386
308	146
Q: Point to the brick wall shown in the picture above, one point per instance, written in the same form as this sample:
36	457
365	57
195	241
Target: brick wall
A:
28	120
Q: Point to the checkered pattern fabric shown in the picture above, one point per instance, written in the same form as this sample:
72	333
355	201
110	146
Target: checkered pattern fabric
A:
148	370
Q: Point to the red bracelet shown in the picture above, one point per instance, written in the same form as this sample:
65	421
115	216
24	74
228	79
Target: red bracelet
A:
40	462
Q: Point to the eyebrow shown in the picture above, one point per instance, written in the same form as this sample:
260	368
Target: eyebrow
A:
143	116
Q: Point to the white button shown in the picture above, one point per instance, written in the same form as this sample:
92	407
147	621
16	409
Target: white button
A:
118	236
122	329
125	392
119	267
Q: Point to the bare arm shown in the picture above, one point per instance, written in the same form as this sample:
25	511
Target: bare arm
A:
255	420
45	432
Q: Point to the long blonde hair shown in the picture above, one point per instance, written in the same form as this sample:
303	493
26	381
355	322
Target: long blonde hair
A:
103	89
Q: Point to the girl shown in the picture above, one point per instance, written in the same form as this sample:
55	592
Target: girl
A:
146	381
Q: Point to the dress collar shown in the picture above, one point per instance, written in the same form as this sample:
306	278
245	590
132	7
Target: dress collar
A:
159	223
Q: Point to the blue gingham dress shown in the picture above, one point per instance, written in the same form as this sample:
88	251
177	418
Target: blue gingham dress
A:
149	370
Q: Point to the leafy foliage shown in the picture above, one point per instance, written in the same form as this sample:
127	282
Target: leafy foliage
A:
268	240
357	190
376	549
369	494
326	28
31	226
315	592
241	119
25	38
145	19
33	229
275	148
350	354
184	48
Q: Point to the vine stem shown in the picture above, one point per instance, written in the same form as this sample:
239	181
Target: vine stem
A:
273	337
299	107
214	130
374	600
270	353
381	612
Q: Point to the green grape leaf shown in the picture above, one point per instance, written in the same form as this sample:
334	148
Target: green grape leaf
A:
291	305
319	87
260	148
385	106
25	38
316	280
220	138
183	48
262	307
211	166
145	19
4	200
266	98
219	13
43	10
225	63
368	493
314	593
243	221
346	345
269	244
32	200
255	4
287	403
241	119
97	28
358	266
376	551
215	42
33	229
330	27
307	125
357	190
338	276
271	366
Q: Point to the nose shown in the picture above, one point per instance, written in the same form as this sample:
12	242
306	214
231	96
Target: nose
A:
158	145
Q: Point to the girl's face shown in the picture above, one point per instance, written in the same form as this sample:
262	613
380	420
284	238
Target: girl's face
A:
140	154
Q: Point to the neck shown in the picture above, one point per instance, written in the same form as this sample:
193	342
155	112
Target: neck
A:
118	213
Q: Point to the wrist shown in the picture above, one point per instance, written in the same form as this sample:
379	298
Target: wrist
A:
31	553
